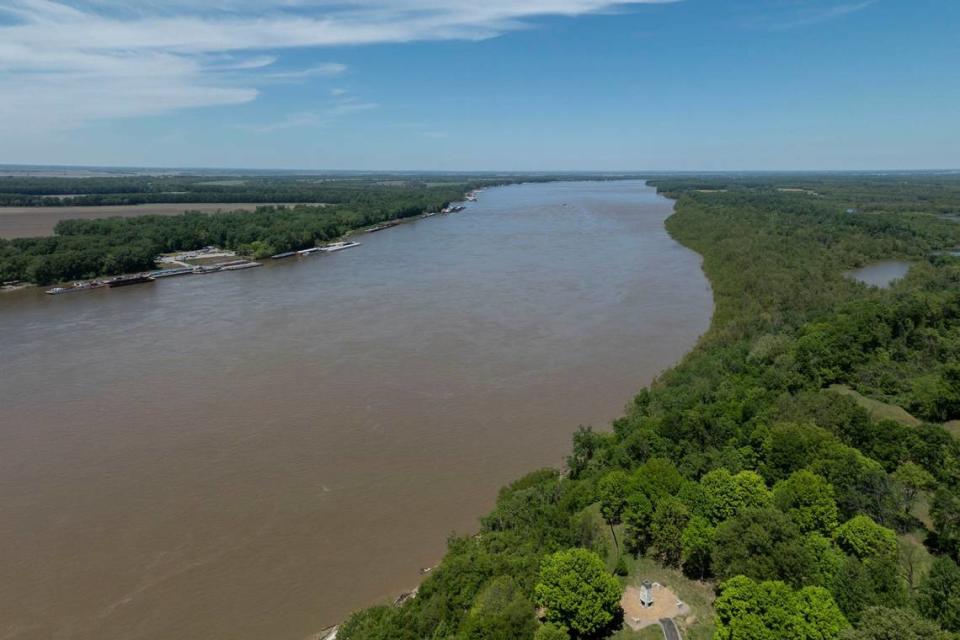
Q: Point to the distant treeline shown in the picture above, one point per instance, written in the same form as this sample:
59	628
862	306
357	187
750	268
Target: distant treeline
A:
130	190
813	518
89	248
903	193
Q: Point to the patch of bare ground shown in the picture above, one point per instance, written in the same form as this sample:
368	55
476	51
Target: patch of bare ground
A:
26	222
666	604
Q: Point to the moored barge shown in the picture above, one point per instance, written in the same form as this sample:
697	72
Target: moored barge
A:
339	246
125	281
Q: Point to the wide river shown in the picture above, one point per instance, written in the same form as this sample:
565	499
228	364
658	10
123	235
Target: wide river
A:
252	455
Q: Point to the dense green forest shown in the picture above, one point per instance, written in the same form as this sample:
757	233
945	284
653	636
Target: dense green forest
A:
807	513
33	191
89	248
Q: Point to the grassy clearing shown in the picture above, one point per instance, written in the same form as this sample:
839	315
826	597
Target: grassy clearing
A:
647	633
698	595
953	427
878	410
921	511
915	560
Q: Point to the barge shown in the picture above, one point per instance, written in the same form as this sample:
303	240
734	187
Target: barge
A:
77	286
385	225
339	246
126	281
240	265
169	273
205	269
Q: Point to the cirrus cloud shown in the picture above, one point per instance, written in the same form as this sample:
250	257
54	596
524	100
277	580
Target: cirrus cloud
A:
64	63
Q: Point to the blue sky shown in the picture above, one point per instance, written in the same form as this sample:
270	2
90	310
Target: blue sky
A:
482	85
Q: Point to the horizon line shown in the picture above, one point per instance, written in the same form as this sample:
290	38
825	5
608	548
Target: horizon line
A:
419	171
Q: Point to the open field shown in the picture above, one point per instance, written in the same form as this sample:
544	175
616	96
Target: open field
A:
953	427
878	410
25	222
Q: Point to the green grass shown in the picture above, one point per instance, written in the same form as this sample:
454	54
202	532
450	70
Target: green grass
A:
912	547
698	595
647	633
953	427
878	410
921	511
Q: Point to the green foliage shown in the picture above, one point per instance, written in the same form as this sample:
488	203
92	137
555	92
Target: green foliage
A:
500	611
945	511
864	538
550	631
375	623
577	592
762	544
867	583
725	495
750	610
637	516
621	568
697	542
687	469
884	623
667	525
807	499
913	480
939	594
613	490
658	478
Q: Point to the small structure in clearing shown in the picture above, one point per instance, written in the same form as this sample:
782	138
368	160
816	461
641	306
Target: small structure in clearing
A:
646	594
646	604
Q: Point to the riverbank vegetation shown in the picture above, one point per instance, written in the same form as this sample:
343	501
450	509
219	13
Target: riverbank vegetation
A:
82	249
807	515
338	188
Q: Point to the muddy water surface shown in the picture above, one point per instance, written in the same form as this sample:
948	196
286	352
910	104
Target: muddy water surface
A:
254	454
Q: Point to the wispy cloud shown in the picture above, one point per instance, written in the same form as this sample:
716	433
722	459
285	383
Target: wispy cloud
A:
794	14
342	105
326	70
64	63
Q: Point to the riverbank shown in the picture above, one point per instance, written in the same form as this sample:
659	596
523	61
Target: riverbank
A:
84	249
786	324
213	259
466	346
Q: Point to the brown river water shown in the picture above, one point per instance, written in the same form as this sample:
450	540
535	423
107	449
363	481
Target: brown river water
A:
252	455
